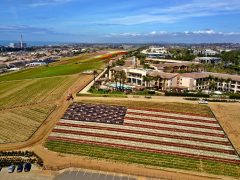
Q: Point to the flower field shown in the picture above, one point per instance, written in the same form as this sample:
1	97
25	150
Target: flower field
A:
19	124
147	131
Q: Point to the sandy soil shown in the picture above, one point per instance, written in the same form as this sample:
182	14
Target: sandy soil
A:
229	118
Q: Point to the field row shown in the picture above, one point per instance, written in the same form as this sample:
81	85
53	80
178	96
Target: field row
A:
161	133
138	144
212	121
19	124
40	90
176	121
170	114
145	158
144	147
145	136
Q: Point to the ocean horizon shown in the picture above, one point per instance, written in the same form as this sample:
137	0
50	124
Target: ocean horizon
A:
34	43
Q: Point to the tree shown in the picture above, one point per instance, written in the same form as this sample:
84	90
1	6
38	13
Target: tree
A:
94	75
116	77
146	79
122	77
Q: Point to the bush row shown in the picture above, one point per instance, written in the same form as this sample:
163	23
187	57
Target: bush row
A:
17	153
234	96
16	157
186	94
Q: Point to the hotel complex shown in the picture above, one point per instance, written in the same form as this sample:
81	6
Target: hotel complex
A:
165	81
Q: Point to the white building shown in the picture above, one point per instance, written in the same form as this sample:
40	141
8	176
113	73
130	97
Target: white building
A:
208	60
210	52
155	52
33	64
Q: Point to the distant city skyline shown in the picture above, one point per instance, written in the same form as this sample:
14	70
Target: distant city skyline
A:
126	21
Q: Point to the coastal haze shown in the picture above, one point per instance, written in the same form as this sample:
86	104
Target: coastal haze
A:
98	90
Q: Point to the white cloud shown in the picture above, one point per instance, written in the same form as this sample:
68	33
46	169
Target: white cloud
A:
207	31
165	33
38	3
196	8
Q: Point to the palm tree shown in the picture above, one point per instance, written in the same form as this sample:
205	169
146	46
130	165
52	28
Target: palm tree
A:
116	77
123	77
146	79
94	75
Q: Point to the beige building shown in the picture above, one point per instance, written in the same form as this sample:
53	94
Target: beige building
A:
210	81
163	81
146	77
179	67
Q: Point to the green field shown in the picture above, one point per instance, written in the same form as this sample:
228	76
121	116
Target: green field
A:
57	69
150	159
19	124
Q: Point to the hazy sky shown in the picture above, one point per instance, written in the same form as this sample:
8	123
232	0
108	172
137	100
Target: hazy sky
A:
121	20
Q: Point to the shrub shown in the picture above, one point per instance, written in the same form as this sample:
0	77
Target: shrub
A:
234	96
186	94
192	99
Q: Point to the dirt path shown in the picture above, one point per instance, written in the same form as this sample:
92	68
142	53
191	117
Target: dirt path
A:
229	118
141	98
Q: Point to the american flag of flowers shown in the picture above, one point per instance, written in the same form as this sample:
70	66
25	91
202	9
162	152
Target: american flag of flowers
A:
145	130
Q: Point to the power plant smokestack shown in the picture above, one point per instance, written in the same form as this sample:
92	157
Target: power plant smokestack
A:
21	42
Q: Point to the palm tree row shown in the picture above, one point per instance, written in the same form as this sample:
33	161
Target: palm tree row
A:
120	76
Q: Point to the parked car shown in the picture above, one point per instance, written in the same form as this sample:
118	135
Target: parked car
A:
27	167
11	168
20	168
203	102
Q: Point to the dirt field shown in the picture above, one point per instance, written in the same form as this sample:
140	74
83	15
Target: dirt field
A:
229	118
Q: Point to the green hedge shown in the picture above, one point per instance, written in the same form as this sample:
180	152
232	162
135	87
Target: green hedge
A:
103	95
234	96
186	94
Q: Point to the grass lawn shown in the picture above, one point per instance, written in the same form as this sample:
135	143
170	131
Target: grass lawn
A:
152	159
168	106
19	124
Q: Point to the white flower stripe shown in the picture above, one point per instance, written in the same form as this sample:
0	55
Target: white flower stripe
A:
201	136
171	114
98	131
173	126
171	120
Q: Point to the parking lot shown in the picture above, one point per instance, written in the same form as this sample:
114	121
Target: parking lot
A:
91	175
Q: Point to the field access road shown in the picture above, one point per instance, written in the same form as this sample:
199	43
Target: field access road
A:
140	98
